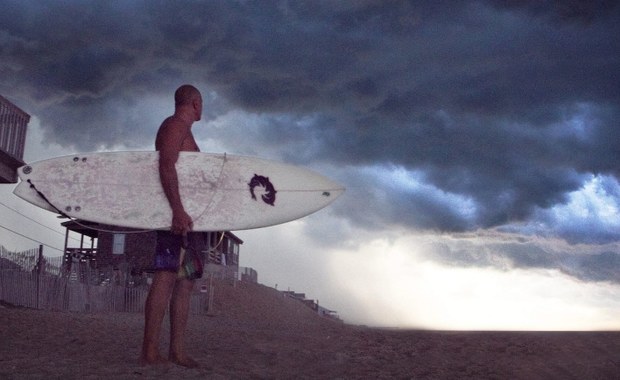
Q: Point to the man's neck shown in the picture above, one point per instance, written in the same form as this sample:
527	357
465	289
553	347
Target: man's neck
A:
184	117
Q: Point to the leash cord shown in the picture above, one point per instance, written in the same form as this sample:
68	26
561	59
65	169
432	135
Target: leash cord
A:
75	220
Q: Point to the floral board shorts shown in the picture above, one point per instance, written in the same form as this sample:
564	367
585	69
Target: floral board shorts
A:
172	256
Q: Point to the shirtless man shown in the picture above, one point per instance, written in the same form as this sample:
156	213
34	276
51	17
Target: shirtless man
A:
168	289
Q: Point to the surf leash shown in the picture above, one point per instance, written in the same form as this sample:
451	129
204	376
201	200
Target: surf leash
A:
217	185
99	229
33	187
76	221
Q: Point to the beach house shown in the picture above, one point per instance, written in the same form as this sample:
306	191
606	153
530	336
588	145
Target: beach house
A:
124	256
13	125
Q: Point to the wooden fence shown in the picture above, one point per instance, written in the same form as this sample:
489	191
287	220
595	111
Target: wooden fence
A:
23	284
30	260
61	293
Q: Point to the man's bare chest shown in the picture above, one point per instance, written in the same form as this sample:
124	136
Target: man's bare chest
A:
189	144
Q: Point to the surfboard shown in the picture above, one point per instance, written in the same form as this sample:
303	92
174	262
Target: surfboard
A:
220	192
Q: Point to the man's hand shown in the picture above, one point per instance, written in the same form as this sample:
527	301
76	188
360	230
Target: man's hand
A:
181	223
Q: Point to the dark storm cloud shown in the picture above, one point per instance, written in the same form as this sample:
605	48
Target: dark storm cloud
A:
510	105
505	252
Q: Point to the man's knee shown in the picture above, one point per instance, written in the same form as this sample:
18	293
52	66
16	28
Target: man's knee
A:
163	281
185	285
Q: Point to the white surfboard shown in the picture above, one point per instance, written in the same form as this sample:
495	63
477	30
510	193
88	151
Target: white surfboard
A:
220	192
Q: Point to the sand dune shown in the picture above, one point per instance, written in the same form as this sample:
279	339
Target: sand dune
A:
257	333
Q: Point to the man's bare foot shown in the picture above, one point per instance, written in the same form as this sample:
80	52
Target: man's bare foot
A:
184	361
156	360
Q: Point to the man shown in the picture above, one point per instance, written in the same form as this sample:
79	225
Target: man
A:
168	288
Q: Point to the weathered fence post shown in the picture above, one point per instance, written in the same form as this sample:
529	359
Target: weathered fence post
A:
40	264
210	310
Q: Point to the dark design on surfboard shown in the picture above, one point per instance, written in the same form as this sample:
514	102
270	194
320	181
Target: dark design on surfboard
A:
270	196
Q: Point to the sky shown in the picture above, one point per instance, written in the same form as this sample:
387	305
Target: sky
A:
477	140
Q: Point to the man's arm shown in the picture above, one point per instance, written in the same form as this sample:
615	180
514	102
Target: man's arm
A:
169	144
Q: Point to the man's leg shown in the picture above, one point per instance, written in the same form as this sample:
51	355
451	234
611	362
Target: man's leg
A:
179	311
154	311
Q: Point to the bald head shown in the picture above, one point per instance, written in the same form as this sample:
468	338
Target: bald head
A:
188	102
185	95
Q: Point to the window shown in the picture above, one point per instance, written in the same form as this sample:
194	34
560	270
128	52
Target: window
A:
118	244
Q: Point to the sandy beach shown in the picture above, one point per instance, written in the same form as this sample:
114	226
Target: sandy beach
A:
257	333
